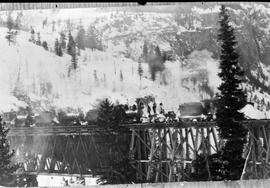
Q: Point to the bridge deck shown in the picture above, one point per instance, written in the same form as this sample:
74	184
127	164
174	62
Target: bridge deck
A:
93	129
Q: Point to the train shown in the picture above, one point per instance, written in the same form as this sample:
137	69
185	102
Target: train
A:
191	111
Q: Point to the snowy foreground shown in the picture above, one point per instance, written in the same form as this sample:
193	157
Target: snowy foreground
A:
57	180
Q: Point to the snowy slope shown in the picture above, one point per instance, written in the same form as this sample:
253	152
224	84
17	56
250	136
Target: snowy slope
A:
37	67
34	66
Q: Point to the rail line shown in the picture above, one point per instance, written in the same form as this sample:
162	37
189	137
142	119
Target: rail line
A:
94	129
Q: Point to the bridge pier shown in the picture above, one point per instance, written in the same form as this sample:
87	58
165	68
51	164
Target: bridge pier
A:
159	152
55	154
164	153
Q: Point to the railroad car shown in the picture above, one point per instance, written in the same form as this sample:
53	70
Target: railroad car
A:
70	118
198	111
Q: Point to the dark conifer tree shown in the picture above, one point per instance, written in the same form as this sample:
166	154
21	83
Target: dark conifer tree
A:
96	78
45	45
63	40
71	45
6	166
32	39
53	26
10	22
80	38
74	60
121	76
10	26
105	113
145	51
17	25
231	98
38	42
118	168
92	38
60	51
140	69
158	52
56	47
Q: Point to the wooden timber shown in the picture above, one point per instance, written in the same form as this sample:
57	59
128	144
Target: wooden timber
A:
92	129
160	152
171	148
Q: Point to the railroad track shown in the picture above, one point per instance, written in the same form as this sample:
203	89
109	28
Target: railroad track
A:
94	129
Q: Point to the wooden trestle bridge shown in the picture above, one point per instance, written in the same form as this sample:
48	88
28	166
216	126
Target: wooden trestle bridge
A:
160	152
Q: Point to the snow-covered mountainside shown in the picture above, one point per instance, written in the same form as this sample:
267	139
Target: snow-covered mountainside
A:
186	36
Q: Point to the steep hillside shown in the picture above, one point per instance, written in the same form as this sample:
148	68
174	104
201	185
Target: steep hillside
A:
187	34
30	70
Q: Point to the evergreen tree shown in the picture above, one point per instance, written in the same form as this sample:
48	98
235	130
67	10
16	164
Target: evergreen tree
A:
44	22
45	45
32	39
60	51
105	113
10	26
118	169
140	70
92	38
158	52
38	42
230	100
71	45
145	51
6	167
56	47
80	38
200	171
53	26
74	60
121	76
63	40
10	22
17	25
96	78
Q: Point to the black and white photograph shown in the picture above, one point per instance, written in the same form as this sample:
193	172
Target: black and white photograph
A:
154	94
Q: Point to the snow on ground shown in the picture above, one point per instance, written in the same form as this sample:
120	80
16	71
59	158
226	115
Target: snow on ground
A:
98	74
253	113
34	66
198	10
57	180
